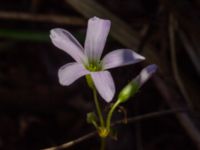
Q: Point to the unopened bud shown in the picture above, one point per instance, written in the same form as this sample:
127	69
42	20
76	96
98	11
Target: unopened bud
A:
132	88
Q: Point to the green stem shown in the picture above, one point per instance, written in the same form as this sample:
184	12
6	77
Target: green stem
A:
108	120
98	107
102	144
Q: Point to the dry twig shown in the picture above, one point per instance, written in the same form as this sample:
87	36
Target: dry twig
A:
69	20
129	120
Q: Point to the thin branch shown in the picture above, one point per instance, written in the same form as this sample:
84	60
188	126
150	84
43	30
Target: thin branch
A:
149	115
69	20
73	142
129	120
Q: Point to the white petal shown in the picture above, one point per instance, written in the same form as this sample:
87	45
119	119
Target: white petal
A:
70	72
145	74
66	42
104	84
121	57
97	32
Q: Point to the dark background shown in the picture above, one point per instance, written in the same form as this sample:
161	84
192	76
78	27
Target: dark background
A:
36	112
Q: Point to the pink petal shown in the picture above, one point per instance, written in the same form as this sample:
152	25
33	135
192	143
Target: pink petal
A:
121	57
104	84
97	33
70	72
66	42
145	74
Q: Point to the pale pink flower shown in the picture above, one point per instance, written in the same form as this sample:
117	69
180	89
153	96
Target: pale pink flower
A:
88	59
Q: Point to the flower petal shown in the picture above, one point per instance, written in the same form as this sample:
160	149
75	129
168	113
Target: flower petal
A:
97	32
104	84
66	41
145	74
70	72
121	57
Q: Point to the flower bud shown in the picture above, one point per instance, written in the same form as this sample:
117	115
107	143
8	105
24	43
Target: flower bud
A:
128	91
91	117
132	87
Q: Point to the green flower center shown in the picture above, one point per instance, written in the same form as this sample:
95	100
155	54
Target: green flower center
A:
94	66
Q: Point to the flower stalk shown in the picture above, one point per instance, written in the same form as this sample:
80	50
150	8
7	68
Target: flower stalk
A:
103	144
110	113
99	112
